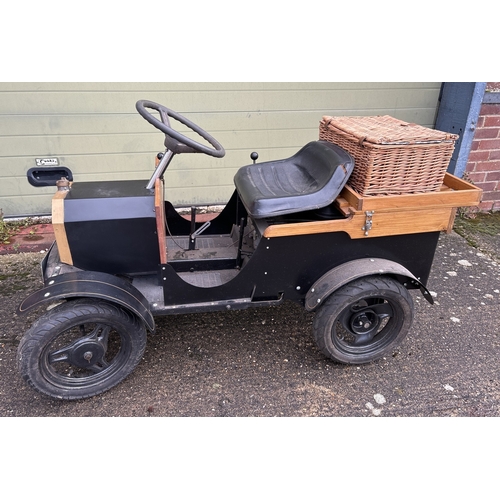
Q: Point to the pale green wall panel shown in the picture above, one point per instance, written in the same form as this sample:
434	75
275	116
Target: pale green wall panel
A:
52	103
121	87
94	129
72	124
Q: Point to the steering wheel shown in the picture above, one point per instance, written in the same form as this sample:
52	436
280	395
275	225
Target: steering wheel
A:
174	141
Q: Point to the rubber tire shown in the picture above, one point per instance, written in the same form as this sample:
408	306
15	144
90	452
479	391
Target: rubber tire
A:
33	348
393	332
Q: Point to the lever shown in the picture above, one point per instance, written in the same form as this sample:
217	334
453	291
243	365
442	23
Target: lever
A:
200	230
254	156
195	234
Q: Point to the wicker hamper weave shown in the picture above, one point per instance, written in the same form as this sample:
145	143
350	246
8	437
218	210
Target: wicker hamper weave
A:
391	156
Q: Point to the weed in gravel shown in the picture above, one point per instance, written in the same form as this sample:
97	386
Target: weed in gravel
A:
8	229
5	230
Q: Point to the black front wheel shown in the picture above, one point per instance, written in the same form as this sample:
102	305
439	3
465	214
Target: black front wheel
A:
81	348
364	320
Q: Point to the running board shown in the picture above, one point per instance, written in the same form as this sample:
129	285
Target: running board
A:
221	305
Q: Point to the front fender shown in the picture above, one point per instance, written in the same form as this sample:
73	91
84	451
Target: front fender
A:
95	285
345	273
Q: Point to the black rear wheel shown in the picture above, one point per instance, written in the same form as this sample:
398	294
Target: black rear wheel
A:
364	320
81	348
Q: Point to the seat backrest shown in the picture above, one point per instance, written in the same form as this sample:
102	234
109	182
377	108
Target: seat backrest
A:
320	160
310	179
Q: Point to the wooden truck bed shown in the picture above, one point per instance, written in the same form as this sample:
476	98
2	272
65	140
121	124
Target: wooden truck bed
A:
372	216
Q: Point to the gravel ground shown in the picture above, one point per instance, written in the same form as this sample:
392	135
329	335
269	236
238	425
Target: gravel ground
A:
263	362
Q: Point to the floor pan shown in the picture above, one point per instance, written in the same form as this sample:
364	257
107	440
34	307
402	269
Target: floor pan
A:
220	247
209	279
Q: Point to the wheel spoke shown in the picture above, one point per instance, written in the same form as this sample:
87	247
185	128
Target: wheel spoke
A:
102	335
99	366
60	355
383	310
361	339
98	333
164	117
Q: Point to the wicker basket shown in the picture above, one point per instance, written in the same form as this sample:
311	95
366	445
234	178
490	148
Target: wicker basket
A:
391	156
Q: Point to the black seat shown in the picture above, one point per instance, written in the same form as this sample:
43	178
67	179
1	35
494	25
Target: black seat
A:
310	179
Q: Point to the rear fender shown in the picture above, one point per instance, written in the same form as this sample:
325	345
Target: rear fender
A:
345	273
91	284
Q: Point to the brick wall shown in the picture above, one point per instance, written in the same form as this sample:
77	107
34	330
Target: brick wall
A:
483	167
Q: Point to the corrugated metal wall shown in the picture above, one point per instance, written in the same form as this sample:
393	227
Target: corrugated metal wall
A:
94	129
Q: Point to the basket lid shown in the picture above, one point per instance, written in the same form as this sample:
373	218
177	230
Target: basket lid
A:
386	130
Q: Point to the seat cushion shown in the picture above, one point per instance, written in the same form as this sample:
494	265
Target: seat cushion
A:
310	179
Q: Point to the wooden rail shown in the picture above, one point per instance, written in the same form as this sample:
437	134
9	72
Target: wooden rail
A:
374	216
160	220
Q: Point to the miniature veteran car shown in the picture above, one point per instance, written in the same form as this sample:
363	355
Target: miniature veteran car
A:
292	230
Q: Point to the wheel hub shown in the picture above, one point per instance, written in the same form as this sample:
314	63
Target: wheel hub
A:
86	354
364	322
